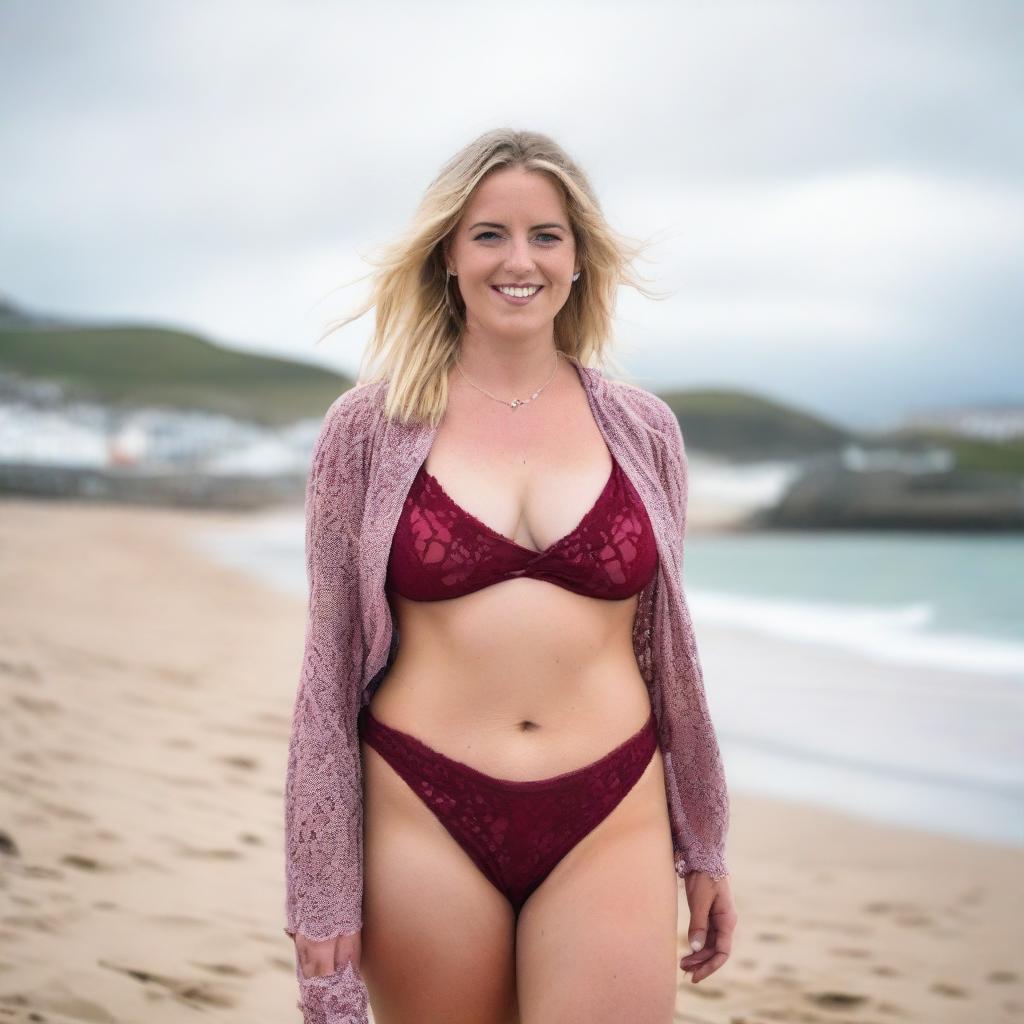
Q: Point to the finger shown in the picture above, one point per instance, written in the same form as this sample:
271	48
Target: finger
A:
700	956
695	960
692	960
709	968
688	964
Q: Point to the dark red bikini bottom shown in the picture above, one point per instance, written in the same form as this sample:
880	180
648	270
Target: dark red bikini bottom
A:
515	831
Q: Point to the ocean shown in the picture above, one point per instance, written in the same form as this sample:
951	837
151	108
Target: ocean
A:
898	690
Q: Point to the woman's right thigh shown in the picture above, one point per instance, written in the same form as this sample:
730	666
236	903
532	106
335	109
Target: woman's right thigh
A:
438	940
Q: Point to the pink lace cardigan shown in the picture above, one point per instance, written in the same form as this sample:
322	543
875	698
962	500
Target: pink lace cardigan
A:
362	468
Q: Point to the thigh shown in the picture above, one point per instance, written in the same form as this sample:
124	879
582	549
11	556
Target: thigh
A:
597	939
438	940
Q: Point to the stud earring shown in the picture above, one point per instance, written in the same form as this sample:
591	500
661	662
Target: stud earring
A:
577	274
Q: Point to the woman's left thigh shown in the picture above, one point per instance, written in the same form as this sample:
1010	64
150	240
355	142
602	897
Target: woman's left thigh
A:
596	941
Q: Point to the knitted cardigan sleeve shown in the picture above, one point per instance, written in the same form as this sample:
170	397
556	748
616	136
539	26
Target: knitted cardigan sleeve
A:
323	786
696	774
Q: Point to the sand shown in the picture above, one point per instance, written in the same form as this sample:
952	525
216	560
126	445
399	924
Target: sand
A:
146	702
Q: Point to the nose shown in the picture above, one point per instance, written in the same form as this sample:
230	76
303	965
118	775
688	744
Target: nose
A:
517	258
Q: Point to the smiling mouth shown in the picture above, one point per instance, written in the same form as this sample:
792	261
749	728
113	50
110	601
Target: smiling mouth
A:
537	289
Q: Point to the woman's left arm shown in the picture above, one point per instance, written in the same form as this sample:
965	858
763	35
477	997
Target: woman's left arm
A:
697	774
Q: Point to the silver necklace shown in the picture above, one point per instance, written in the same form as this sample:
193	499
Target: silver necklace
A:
516	402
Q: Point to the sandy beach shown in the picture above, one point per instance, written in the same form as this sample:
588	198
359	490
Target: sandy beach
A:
147	695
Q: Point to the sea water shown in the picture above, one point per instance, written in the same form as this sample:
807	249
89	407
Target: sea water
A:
901	693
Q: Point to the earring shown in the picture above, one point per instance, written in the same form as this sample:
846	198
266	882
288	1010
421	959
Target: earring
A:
447	294
577	274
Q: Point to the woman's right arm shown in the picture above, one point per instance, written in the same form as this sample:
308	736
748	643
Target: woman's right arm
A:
323	787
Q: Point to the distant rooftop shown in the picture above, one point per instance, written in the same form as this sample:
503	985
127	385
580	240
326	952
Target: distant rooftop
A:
994	422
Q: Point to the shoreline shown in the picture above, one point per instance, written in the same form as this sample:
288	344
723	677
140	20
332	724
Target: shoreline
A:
148	695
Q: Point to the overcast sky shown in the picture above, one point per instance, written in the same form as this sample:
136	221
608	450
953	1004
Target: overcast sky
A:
834	188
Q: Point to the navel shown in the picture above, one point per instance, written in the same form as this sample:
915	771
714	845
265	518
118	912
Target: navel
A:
527	725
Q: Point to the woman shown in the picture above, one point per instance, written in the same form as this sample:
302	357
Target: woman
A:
485	823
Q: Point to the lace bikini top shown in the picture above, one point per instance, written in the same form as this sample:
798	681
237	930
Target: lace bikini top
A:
441	551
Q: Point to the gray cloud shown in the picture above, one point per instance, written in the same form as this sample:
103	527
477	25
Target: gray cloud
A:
835	186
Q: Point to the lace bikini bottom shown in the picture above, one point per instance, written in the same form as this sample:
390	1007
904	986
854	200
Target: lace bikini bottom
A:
515	831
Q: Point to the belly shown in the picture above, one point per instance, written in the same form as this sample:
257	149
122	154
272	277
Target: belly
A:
521	680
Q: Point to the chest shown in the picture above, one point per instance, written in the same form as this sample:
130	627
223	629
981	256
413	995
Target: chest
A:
396	459
531	481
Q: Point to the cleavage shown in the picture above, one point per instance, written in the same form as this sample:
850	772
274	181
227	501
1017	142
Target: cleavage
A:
577	522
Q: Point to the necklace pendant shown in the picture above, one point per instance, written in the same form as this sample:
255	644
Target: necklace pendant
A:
515	402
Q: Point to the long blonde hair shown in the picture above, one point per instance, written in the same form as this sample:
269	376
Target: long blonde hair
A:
420	318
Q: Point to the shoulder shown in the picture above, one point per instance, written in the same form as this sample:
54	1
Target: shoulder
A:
355	412
653	410
349	425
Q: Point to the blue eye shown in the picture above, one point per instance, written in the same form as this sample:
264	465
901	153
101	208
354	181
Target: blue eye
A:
543	234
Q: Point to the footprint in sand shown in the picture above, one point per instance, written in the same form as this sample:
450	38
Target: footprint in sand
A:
198	994
907	914
19	670
43	871
8	846
37	705
1001	977
241	761
887	907
914	920
77	860
836	1000
197	853
945	988
227	970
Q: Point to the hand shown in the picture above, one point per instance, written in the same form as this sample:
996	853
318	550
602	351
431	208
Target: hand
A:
712	921
317	959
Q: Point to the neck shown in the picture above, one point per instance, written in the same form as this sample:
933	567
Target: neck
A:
506	368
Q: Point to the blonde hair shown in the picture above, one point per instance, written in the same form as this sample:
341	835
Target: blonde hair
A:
419	317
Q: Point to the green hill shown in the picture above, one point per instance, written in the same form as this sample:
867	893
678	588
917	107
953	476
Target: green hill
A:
151	365
738	424
135	365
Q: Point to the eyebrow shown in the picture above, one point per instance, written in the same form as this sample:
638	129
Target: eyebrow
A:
491	224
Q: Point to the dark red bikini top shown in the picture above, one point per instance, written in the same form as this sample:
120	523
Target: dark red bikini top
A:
441	551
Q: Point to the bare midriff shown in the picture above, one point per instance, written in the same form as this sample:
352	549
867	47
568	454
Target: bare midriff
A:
522	679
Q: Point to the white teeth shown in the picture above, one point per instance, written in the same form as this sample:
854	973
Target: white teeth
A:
519	293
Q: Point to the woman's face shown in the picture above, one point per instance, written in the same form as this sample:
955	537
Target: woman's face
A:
514	231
